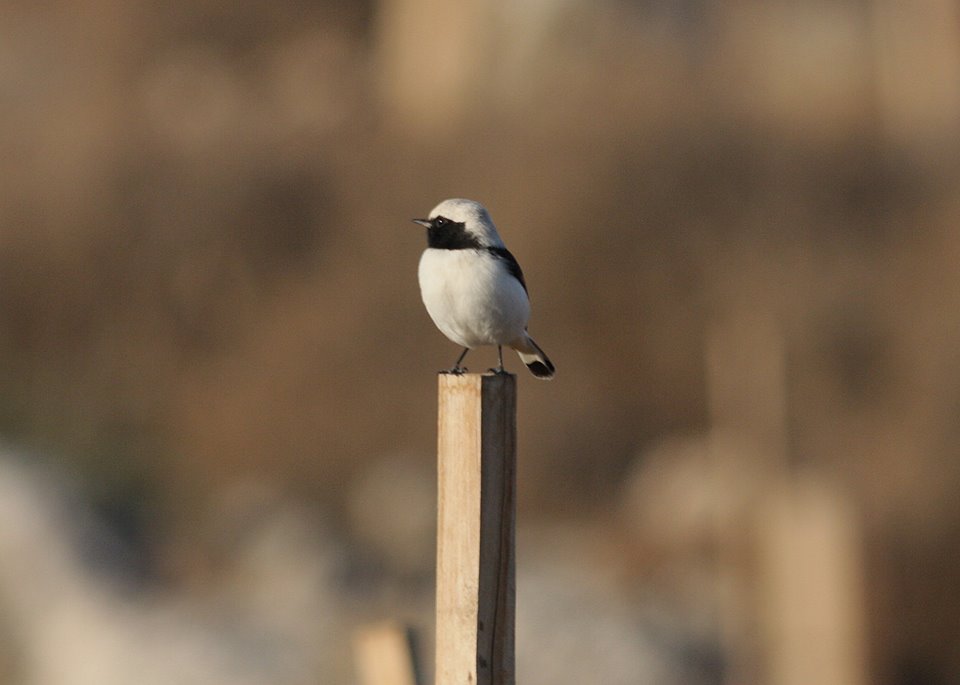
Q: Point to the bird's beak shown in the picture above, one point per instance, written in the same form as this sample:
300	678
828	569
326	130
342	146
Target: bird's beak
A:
422	222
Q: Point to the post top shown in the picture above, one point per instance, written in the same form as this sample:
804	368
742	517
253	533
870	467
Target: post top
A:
477	382
487	377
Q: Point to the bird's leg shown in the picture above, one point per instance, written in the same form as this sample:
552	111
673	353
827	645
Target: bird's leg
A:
499	369
457	369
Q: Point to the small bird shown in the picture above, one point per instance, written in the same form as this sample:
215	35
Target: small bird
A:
473	287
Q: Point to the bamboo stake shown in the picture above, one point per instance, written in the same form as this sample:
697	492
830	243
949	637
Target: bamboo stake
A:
476	529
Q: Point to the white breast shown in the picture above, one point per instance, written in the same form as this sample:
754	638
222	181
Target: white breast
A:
472	298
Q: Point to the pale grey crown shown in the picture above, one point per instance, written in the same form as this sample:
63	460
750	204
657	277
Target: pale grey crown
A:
474	217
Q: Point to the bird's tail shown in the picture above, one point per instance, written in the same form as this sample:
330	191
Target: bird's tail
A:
535	359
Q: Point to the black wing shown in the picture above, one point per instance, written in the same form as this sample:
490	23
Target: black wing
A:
510	262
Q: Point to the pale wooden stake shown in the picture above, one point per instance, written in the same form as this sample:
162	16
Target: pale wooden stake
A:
383	656
791	578
476	529
810	585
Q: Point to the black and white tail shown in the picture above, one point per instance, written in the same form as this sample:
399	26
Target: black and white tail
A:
535	358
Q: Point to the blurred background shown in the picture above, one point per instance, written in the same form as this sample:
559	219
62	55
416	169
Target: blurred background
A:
740	225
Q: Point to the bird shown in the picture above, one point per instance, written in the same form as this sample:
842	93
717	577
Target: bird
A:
473	287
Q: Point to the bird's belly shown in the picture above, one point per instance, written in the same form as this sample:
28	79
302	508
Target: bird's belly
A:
472	298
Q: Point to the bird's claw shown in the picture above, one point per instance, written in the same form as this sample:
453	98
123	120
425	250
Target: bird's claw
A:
455	371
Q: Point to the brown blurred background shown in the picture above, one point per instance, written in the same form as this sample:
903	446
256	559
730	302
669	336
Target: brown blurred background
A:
740	224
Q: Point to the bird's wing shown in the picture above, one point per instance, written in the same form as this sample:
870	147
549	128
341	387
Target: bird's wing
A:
503	254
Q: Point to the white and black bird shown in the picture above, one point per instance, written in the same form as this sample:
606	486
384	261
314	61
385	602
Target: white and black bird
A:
473	287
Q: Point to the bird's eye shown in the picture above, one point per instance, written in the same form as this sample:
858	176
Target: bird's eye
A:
440	221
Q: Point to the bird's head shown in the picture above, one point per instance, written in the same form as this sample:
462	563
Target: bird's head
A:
459	224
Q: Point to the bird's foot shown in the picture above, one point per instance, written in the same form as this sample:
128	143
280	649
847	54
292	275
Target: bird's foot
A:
499	371
455	371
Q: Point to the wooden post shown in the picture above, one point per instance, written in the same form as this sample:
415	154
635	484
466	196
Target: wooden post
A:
791	576
383	655
810	586
476	529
